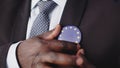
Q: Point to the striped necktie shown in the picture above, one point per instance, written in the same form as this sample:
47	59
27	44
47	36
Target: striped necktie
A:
41	23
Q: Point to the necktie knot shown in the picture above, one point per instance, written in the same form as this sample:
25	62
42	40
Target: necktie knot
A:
46	6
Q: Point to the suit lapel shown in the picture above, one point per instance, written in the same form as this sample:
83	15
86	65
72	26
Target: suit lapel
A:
72	15
21	20
73	12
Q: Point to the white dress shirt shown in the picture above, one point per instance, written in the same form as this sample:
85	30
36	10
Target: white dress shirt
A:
55	17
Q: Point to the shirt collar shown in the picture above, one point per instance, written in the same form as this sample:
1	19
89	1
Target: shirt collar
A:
58	2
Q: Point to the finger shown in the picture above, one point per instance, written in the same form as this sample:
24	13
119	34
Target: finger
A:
58	58
54	33
80	54
80	51
66	67
79	61
82	62
63	46
40	65
51	34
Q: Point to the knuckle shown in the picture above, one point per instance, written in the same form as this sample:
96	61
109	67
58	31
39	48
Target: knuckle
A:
52	57
47	57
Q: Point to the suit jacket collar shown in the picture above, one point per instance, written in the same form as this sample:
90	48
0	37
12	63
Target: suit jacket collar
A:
73	12
72	15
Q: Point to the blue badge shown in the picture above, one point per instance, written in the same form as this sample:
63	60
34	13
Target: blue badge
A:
71	34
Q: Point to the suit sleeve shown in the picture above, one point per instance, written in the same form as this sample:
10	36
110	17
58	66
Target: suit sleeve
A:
3	54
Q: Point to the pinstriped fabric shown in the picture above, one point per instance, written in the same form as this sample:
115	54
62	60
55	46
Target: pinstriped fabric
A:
41	23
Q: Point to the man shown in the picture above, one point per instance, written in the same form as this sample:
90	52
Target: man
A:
98	21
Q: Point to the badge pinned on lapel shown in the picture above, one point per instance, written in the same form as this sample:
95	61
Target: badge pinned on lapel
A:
71	34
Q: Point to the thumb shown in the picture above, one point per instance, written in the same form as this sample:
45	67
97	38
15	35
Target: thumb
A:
51	34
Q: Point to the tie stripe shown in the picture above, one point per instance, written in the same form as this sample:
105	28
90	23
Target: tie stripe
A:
41	23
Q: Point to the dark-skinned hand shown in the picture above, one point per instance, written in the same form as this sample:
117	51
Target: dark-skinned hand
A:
44	51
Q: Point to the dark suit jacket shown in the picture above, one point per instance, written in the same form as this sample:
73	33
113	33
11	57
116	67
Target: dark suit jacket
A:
98	20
